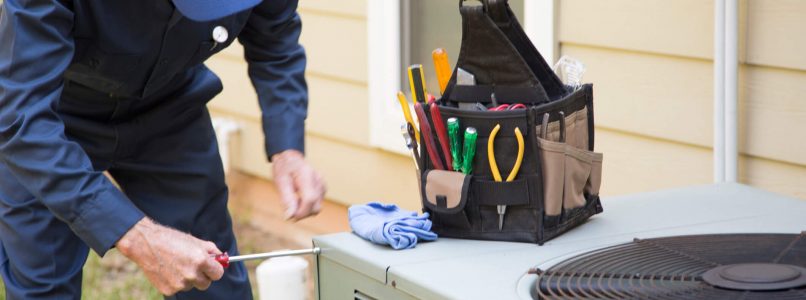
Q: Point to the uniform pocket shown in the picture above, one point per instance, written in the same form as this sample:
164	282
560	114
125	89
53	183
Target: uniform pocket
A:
101	70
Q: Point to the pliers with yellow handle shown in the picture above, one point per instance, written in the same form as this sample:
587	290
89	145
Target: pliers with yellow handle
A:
502	209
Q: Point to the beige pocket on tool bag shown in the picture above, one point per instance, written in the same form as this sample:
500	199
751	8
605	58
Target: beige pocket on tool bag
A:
576	129
577	173
445	195
446	191
595	180
552	156
567	165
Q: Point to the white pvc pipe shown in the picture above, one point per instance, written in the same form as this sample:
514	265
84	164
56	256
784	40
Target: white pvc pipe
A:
283	278
539	19
224	129
731	90
384	71
719	91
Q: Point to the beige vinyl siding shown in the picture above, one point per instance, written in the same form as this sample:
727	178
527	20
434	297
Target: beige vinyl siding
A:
629	159
666	97
337	129
671	27
775	33
650	62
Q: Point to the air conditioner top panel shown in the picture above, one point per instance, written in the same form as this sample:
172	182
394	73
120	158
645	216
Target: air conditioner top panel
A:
466	269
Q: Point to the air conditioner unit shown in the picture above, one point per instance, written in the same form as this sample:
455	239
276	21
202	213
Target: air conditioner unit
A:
706	242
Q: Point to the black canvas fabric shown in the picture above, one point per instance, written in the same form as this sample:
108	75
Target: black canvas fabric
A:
505	63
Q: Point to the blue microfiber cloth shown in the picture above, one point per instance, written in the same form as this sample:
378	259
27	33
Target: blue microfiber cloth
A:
387	224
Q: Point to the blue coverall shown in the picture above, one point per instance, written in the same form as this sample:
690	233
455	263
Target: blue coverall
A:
88	86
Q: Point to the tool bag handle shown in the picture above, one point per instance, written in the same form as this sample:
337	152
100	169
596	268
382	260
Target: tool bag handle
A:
496	50
484	4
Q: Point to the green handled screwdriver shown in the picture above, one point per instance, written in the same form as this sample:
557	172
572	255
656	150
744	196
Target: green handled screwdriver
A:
469	150
456	145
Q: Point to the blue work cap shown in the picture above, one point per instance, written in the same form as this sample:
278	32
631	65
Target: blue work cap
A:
206	10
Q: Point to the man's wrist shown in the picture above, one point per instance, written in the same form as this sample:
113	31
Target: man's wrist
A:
286	154
134	236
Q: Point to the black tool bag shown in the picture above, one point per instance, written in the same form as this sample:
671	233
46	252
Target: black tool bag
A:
557	185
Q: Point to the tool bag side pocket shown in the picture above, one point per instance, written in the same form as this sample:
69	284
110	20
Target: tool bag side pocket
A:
445	196
552	156
578	164
571	171
595	180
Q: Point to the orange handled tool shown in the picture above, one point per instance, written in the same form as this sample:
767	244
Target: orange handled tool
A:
441	67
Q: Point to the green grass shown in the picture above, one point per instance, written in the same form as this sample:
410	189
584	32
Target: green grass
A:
115	277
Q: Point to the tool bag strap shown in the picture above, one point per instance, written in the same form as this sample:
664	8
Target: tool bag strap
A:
496	50
504	18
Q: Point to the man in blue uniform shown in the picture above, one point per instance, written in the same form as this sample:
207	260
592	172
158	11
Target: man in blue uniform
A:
88	86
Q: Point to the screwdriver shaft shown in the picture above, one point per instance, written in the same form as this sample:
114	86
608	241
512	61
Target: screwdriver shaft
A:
502	210
314	251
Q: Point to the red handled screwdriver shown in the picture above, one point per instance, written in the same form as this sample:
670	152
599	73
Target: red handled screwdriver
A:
428	138
225	259
442	134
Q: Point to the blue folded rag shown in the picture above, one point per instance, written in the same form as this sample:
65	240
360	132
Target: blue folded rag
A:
387	224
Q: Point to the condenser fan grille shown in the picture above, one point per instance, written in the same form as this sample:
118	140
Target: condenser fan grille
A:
728	266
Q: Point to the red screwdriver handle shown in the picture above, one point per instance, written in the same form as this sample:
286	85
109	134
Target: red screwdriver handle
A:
442	134
428	138
223	259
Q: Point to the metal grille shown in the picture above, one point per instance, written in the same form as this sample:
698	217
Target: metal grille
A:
673	268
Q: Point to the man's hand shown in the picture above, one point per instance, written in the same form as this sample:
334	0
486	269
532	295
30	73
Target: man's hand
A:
301	187
172	260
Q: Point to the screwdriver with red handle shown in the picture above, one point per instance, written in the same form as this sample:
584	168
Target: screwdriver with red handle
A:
428	138
442	134
225	259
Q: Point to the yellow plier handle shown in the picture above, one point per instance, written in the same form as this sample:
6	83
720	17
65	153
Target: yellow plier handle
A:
491	154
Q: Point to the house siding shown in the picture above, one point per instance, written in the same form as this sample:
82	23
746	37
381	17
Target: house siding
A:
651	62
651	65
